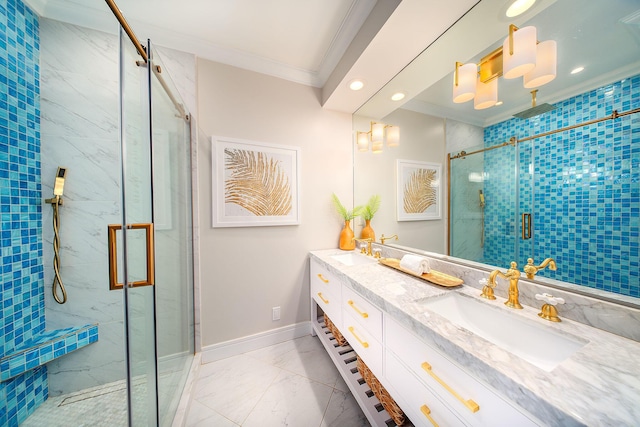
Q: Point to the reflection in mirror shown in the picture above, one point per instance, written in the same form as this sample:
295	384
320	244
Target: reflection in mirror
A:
563	184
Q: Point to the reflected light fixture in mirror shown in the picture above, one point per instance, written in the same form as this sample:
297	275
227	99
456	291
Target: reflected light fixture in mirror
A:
378	134
519	52
486	94
520	56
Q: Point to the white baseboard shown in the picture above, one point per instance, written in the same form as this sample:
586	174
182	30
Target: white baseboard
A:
222	350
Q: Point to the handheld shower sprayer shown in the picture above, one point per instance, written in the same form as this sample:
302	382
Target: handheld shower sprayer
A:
481	194
56	202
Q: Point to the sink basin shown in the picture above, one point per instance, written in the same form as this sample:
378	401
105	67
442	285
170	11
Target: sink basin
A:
352	258
534	342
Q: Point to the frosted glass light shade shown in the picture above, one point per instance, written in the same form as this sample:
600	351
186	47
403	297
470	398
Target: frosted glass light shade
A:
393	136
486	94
545	69
376	147
466	88
523	58
363	141
377	133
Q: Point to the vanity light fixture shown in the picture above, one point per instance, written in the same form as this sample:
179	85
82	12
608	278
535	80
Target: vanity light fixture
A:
378	134
520	55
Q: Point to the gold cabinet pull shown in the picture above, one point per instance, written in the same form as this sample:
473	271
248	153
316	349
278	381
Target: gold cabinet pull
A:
470	404
364	314
326	301
321	277
427	413
362	343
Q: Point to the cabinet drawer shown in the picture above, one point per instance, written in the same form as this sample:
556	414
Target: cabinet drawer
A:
365	313
418	402
328	301
456	387
363	342
322	277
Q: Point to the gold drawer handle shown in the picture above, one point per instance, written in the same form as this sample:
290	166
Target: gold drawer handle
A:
321	277
361	313
362	343
470	404
427	413
326	301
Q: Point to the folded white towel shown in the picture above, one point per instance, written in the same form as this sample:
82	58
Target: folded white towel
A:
415	264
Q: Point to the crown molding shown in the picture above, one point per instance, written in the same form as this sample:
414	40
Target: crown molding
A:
101	19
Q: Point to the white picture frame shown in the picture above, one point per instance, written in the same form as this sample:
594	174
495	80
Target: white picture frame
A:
254	184
419	190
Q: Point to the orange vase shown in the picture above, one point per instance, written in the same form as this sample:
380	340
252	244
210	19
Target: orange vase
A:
367	231
346	237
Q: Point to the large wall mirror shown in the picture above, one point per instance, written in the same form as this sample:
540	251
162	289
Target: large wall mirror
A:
562	180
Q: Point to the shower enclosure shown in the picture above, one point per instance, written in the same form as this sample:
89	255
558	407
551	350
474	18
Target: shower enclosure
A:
115	120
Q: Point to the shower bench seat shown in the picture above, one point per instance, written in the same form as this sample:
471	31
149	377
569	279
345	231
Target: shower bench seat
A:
44	348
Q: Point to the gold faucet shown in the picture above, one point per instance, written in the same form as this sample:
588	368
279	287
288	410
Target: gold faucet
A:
531	269
368	241
513	275
382	239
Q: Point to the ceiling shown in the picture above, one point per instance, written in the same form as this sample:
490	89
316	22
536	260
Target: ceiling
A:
602	36
320	43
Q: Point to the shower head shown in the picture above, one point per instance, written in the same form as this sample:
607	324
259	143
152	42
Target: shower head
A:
58	187
535	110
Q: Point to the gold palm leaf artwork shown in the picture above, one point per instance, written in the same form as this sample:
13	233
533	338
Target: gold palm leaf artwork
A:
419	192
257	183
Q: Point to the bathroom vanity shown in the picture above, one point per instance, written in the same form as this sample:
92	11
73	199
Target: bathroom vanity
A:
449	357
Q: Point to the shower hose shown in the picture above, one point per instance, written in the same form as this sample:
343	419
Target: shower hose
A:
57	280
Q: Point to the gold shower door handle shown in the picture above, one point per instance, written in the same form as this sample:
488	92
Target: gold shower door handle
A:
113	255
526	226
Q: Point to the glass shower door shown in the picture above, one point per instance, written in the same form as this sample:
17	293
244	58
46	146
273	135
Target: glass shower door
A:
171	156
136	244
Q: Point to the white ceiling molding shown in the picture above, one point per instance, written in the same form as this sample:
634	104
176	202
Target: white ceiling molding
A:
96	15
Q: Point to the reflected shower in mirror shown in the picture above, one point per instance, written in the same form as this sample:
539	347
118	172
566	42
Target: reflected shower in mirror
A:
563	184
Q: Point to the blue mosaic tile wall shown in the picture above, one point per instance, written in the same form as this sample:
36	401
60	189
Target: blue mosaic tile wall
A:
585	189
22	298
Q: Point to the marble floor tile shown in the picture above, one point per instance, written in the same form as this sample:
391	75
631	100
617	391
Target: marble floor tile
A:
303	356
291	400
297	385
202	416
233	386
343	410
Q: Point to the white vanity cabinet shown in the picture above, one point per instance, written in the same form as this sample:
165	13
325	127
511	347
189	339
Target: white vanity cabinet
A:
472	401
362	327
326	291
429	387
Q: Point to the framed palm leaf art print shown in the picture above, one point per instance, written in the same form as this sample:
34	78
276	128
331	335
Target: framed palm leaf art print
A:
418	190
254	183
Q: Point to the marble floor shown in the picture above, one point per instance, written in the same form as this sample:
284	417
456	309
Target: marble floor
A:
293	383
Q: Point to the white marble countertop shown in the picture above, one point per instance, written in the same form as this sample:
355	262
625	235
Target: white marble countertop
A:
599	385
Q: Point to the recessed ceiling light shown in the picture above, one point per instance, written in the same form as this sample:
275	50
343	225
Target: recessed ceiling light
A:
498	103
398	96
577	70
519	7
356	84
